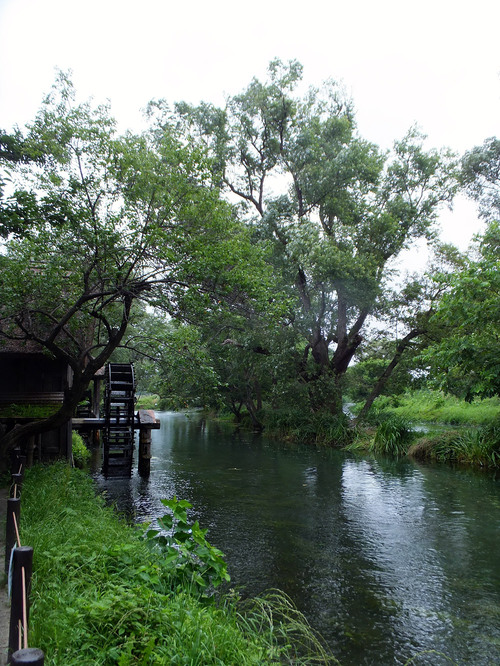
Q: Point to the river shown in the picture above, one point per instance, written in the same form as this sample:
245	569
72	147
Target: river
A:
387	559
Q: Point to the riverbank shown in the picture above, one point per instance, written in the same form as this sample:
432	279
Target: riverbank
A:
434	407
101	596
427	425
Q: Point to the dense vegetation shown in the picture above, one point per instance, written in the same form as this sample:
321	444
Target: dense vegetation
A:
431	426
243	257
101	595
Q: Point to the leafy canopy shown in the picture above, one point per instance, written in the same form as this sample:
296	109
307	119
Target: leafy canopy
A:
466	361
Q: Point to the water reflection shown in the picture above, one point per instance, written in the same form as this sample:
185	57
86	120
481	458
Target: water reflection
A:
386	558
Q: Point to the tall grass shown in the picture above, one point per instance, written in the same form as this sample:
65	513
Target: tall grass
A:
100	596
320	428
393	437
435	407
81	454
478	446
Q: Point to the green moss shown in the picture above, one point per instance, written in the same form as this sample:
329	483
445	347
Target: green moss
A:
28	411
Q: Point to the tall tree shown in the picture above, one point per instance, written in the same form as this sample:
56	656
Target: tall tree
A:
109	220
332	207
465	360
480	176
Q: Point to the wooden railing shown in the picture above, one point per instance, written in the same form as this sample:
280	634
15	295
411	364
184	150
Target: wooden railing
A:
32	398
18	567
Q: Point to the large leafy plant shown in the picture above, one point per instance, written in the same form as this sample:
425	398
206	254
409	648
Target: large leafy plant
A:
185	547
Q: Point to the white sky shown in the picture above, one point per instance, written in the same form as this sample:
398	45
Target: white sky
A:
431	62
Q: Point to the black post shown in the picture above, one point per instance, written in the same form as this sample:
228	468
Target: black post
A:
17	462
13	509
21	586
144	462
33	656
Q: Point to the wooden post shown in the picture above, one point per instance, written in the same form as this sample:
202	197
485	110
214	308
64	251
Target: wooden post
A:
147	421
18	462
16	485
13	510
33	656
22	566
144	463
96	411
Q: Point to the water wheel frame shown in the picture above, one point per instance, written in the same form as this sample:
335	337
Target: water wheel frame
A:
118	432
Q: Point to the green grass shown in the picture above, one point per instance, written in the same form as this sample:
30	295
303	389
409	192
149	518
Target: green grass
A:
435	407
392	419
148	401
100	596
81	454
393	437
479	446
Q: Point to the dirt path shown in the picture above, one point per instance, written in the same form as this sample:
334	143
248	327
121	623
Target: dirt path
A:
4	598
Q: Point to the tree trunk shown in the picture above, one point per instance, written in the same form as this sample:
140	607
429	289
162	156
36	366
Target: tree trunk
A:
84	369
249	404
384	377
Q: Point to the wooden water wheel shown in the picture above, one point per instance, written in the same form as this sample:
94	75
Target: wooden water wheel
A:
118	434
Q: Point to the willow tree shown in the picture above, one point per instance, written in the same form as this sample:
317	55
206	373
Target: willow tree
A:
333	207
103	221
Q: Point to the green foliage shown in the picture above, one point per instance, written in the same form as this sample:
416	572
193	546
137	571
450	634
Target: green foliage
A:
27	411
436	407
479	447
465	361
393	437
185	547
343	211
321	428
81	454
113	220
101	596
147	401
481	176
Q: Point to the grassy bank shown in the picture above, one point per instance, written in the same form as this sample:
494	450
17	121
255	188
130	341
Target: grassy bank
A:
394	436
435	407
390	429
319	429
101	596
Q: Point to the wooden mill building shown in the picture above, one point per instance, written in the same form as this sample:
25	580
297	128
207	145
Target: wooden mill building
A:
32	387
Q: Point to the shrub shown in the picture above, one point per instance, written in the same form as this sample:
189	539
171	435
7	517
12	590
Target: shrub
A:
393	437
476	446
81	454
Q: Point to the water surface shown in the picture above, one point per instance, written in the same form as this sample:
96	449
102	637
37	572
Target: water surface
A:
387	559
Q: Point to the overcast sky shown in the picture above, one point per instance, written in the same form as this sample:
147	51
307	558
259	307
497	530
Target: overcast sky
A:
435	63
